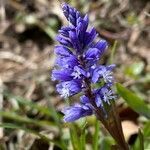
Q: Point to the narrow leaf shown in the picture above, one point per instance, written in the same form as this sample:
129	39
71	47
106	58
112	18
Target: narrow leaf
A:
22	119
29	103
74	137
96	136
83	137
141	140
136	103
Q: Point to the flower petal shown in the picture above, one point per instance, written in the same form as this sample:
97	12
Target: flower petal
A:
68	88
75	112
62	75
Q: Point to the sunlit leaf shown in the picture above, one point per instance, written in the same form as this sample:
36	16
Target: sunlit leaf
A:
136	103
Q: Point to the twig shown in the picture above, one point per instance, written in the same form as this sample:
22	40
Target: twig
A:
16	58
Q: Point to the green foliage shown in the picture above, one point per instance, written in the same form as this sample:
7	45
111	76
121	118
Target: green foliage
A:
83	136
106	143
135	102
96	136
17	120
78	134
143	140
74	137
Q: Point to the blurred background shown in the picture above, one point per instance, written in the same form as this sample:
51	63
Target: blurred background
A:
28	100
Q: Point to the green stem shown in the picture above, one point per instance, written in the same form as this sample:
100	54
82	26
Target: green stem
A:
96	136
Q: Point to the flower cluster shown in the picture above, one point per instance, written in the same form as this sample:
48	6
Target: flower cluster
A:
78	68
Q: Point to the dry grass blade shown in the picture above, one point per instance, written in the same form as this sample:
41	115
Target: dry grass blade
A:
1	105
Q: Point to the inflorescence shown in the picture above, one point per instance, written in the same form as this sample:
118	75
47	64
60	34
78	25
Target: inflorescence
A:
78	69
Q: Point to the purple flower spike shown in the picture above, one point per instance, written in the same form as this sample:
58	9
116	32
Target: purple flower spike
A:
77	66
70	13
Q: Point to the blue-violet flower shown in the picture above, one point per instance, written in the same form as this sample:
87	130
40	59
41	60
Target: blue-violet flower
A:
77	66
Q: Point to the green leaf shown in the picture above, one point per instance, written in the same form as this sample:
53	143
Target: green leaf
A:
74	137
106	143
96	135
146	134
22	119
83	137
143	140
48	111
136	103
29	103
146	129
